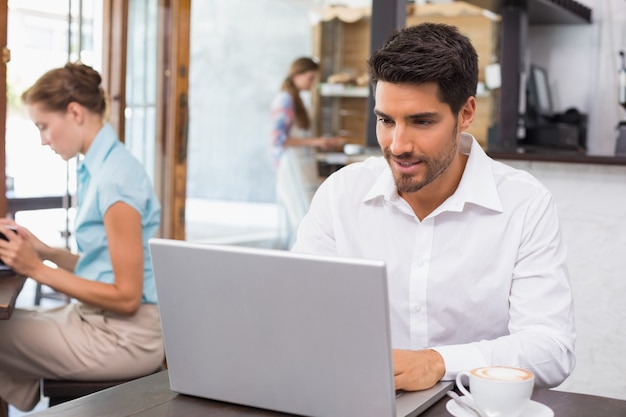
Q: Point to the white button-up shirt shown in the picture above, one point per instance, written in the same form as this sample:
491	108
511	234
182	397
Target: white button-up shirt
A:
482	279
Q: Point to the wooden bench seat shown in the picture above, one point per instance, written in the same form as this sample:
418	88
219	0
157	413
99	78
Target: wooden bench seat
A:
60	391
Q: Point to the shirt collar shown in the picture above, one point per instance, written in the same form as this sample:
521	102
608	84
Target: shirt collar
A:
477	185
102	144
384	187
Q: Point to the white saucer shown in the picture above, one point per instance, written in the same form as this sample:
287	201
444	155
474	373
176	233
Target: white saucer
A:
534	409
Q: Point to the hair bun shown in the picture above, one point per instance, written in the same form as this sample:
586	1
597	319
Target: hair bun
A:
84	74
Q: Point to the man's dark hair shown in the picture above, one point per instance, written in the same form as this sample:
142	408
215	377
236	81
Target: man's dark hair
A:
429	52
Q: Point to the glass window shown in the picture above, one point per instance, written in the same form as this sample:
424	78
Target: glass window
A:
43	34
240	53
141	84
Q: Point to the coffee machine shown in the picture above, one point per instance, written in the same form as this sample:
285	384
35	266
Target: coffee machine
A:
620	146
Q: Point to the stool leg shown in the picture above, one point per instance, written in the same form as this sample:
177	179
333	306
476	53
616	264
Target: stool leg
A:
52	295
4	408
38	293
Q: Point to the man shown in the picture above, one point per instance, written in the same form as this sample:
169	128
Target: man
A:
475	260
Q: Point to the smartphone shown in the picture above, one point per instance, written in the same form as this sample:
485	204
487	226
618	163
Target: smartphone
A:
3	236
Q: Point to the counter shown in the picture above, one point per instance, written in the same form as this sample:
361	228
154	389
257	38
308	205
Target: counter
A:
558	156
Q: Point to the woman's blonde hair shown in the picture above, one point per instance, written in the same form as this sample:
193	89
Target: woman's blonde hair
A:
299	66
75	82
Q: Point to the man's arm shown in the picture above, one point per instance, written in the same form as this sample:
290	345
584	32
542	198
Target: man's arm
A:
541	333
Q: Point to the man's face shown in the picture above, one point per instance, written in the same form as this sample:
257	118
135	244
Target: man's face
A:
417	133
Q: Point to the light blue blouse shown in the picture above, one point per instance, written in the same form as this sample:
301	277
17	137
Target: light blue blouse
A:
108	174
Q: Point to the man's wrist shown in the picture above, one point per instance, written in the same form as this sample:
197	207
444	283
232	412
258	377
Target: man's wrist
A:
437	363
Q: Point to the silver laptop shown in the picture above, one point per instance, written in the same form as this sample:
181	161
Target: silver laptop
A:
278	330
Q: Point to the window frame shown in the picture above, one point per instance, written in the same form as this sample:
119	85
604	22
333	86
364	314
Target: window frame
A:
172	88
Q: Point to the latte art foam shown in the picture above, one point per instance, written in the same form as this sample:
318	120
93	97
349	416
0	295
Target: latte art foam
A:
502	373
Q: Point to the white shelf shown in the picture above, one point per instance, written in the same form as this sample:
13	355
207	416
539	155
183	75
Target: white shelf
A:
340	90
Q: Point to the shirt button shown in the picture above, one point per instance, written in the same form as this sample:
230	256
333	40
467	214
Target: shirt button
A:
420	263
417	308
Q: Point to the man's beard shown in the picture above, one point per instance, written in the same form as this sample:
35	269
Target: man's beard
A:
434	166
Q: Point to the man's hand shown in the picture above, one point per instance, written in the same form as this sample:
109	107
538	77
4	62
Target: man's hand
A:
416	370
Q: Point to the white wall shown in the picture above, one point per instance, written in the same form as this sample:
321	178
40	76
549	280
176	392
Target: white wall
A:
583	61
591	201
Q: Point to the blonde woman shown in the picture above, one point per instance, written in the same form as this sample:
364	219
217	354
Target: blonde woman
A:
297	176
113	330
291	123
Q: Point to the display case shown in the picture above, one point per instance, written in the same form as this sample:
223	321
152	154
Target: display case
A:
341	41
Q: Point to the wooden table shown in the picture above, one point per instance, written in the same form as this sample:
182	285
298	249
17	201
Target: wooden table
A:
151	397
10	286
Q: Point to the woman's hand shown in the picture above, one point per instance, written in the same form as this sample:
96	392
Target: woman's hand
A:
330	143
41	248
18	251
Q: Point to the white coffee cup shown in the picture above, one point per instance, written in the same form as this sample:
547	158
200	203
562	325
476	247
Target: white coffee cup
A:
498	391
